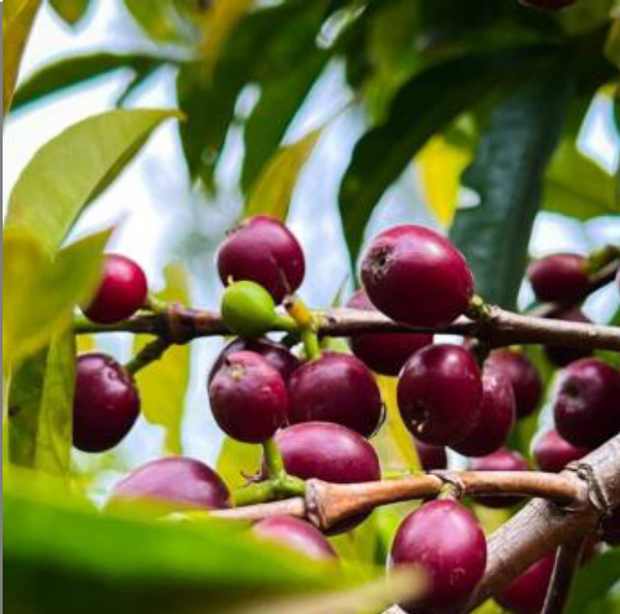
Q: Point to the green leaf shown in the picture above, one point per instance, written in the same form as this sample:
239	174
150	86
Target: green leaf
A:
420	109
71	11
238	460
76	70
507	175
161	21
69	171
17	19
41	408
163	383
40	294
274	188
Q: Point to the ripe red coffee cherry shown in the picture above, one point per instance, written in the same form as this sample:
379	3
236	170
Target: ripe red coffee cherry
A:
526	593
552	452
611	529
276	354
431	457
384	353
106	403
497	416
121	293
561	356
502	460
525	380
297	535
263	250
445	540
587	405
439	393
560	278
336	388
547	5
414	275
248	398
176	483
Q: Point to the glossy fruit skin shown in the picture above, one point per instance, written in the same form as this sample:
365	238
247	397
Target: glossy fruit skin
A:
548	5
442	537
122	291
248	309
502	460
552	452
263	250
561	356
497	417
525	380
526	593
331	453
439	394
416	276
106	403
179	483
383	353
296	534
249	399
587	404
276	354
336	388
611	529
431	457
559	278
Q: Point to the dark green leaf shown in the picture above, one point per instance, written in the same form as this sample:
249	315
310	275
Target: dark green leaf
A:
507	175
77	70
420	109
70	11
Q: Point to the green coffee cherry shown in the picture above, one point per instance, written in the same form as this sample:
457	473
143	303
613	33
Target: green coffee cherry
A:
248	309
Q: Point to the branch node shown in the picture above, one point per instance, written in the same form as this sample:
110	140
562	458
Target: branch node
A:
596	494
452	480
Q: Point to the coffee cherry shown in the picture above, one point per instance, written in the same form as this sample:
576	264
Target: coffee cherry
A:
263	250
248	398
297	535
587	405
384	353
552	453
248	309
525	380
439	393
416	276
431	457
547	5
560	278
276	354
106	403
502	460
121	293
526	593
336	388
175	483
331	453
561	356
497	416
444	539
611	529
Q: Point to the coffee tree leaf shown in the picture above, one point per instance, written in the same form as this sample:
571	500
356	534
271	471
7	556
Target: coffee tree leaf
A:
506	176
72	169
163	383
70	11
237	461
274	188
17	19
418	110
77	70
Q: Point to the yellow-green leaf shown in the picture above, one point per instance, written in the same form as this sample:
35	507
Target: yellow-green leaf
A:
163	383
69	171
40	293
238	460
273	190
17	19
70	11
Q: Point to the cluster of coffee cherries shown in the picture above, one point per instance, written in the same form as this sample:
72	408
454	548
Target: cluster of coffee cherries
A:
320	406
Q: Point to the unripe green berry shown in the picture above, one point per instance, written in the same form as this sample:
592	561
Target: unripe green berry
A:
248	309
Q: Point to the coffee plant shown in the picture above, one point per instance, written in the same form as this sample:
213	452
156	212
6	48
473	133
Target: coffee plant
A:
431	441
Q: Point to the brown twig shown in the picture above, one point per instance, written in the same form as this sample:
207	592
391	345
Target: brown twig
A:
566	564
